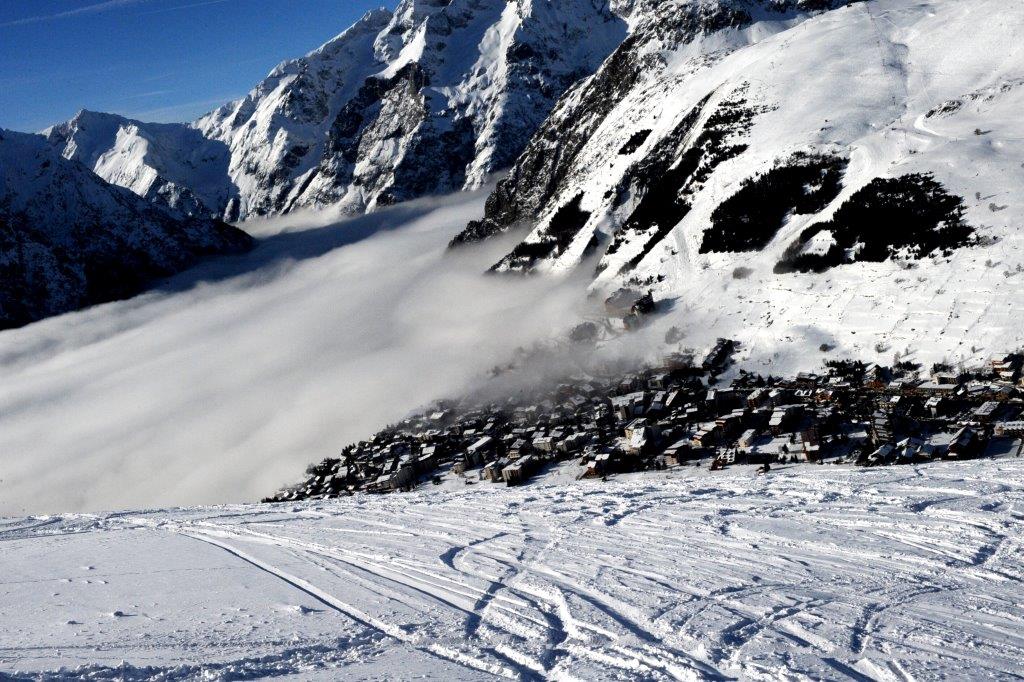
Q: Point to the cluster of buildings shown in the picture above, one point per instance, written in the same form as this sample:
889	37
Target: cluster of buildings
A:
682	414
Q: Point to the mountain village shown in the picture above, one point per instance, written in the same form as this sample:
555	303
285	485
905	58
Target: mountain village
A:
682	413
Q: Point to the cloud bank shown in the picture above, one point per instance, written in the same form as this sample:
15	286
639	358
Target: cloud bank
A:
229	380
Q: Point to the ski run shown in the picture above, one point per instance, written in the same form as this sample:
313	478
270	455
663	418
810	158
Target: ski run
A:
811	572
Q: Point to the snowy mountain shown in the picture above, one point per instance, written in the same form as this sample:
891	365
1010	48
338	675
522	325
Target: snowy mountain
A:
69	239
821	167
172	165
428	99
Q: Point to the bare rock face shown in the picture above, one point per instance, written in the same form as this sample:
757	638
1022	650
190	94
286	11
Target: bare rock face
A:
68	239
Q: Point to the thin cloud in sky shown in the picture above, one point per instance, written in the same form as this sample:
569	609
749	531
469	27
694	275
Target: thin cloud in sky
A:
190	5
96	8
151	93
100	7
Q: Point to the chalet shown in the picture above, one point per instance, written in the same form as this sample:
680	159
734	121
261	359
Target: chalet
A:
520	447
679	452
875	377
912	449
777	397
987	411
882	427
717	357
658	403
705	436
545	443
965	444
574	443
493	471
783	417
730	424
520	471
629	306
482	449
1010	428
807	380
672	399
601	464
629	405
748	438
936	405
882	455
757	398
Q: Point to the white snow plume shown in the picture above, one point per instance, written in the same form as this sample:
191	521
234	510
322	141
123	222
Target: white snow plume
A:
227	381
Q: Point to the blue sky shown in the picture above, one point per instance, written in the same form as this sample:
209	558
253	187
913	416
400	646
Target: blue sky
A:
156	60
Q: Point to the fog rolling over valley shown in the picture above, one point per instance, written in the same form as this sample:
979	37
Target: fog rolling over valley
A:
227	381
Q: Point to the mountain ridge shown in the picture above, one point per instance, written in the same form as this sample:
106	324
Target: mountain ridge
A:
429	99
69	239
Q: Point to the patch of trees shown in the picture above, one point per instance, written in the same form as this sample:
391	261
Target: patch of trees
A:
911	216
635	142
749	219
554	239
669	181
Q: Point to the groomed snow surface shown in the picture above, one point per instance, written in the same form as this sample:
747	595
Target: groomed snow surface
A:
808	573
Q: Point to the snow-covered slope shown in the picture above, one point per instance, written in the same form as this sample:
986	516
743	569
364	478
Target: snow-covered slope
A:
846	177
173	165
906	573
68	239
428	99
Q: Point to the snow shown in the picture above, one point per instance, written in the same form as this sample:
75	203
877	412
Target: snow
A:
293	107
171	164
857	81
310	135
811	572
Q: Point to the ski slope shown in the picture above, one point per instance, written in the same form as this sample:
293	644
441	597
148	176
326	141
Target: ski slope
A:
809	573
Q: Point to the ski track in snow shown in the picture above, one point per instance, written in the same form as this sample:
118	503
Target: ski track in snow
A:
811	573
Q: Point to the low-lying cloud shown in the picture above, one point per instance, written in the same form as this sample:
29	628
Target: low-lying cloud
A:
225	383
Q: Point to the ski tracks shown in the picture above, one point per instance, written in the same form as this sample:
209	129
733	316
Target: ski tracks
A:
827	573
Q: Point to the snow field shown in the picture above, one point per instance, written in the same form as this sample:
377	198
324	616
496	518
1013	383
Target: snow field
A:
809	573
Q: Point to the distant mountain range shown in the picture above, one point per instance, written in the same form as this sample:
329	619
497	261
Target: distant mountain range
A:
722	154
431	98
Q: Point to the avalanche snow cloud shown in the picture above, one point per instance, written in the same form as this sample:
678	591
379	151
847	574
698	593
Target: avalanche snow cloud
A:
224	383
